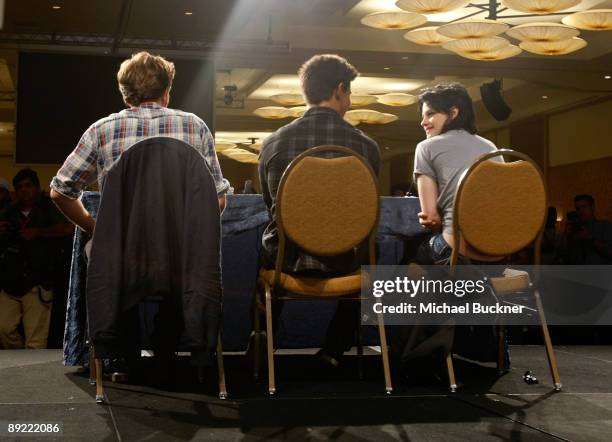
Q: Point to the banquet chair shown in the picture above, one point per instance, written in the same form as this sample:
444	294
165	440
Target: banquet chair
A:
327	207
156	240
499	209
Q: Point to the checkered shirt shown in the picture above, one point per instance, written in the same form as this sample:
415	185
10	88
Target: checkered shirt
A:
318	126
102	144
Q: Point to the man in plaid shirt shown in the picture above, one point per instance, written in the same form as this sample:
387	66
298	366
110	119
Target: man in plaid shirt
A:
145	81
326	85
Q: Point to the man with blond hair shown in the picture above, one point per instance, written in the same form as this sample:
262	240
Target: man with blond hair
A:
144	81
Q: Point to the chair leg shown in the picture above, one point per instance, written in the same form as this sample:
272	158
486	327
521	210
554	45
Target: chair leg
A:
99	381
550	352
270	341
221	368
385	354
92	366
360	350
257	350
501	349
451	372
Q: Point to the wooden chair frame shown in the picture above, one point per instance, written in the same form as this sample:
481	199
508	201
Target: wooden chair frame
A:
552	360
266	290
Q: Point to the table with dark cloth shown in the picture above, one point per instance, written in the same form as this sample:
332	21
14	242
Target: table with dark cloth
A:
302	324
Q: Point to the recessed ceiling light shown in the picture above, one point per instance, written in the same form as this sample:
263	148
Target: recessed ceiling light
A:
188	13
405	58
544	97
56	7
386	68
607	77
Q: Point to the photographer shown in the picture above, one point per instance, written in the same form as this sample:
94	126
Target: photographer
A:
28	231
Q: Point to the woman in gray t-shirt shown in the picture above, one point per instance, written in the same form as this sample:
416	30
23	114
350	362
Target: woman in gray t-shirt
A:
451	147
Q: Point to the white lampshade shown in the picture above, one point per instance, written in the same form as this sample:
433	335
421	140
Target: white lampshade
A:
542	31
387	118
273	112
428	36
554	47
397	99
393	20
431	6
368	116
473	28
592	20
358	100
288	99
298	111
539	6
500	54
475	46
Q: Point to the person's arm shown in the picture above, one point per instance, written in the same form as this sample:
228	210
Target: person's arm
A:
78	171
210	155
428	197
74	210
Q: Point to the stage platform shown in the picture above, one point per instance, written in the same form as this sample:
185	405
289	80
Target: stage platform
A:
35	387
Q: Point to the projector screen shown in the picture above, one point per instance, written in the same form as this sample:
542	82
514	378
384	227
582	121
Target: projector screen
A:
60	96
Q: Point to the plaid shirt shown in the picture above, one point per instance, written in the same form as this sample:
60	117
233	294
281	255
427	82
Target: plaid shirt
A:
103	143
318	126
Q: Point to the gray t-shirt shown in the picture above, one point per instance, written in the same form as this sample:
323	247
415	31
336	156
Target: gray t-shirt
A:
444	158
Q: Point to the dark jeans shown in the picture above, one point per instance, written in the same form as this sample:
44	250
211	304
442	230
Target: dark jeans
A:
433	250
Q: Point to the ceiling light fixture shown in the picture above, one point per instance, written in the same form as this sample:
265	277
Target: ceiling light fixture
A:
398	99
428	36
542	32
562	47
500	54
188	13
473	28
358	100
462	35
474	46
56	7
288	99
591	20
273	112
430	6
607	77
539	6
393	20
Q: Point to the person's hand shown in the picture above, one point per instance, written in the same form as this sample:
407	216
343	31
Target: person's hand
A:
430	221
30	233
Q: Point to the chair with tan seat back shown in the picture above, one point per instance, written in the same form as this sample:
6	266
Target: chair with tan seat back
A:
327	207
499	209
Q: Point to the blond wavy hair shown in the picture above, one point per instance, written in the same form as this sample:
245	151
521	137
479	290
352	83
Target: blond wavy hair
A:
144	77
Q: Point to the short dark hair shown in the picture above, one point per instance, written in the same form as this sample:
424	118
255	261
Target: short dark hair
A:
585	197
320	75
24	174
443	97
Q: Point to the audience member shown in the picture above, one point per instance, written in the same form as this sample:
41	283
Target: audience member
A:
326	85
589	240
145	82
27	263
5	194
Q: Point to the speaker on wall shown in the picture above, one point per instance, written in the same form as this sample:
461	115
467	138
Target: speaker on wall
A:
491	94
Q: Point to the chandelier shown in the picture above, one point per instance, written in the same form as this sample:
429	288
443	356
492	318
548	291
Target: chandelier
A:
486	39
